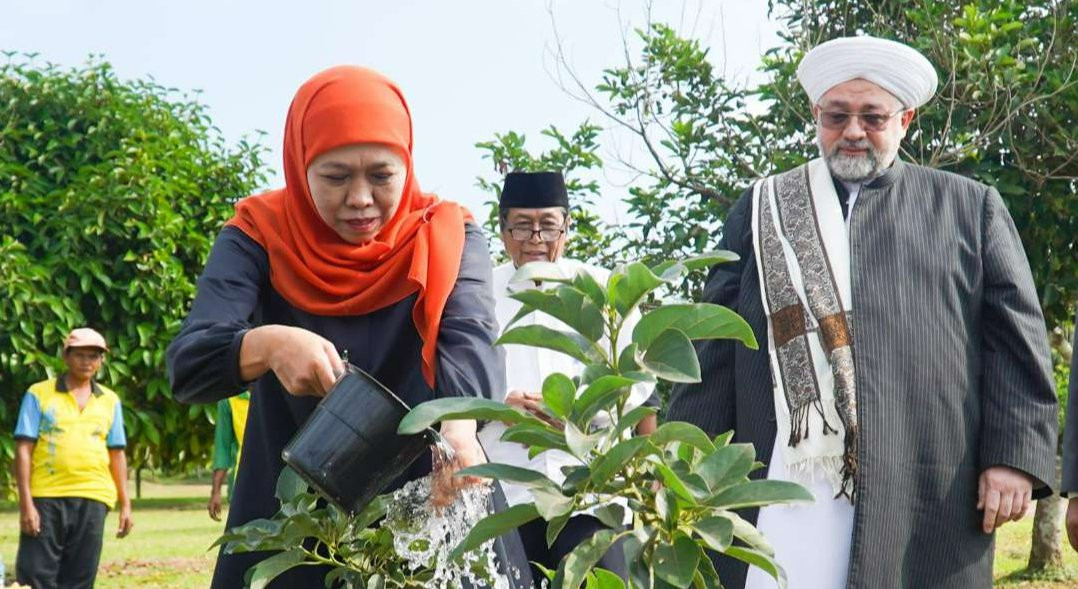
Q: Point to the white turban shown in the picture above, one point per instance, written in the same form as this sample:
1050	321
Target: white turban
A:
897	68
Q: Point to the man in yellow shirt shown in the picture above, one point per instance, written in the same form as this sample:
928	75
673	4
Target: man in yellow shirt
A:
70	470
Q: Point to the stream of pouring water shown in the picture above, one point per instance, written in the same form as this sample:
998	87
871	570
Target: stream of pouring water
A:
426	531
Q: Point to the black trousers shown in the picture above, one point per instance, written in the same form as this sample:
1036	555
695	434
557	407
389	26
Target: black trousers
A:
576	530
66	552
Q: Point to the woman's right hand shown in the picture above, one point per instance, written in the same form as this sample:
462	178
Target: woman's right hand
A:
305	362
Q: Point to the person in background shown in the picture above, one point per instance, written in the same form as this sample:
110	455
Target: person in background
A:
227	447
70	469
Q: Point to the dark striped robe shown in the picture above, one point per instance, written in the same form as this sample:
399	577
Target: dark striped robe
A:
953	374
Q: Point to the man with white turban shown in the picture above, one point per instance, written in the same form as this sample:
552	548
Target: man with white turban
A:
903	374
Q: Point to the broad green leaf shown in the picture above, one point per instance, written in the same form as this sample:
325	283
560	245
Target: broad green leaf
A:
683	432
630	284
555	527
289	485
673	482
551	503
580	444
747	533
603	579
612	515
727	465
539	272
272	567
536	436
427	414
524	477
676	563
700	261
723	439
575	566
759	560
598	396
614	460
558	394
667	508
495	525
374	511
632	418
672	356
717	532
758	493
568	305
575	478
696	321
587	284
541	336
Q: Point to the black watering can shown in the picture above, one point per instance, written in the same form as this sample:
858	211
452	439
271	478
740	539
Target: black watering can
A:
349	449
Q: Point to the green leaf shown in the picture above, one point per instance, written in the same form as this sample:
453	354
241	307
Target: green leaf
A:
672	357
603	579
555	527
427	414
599	395
612	515
700	261
272	567
580	444
568	305
747	533
683	432
551	503
759	560
494	525
717	532
726	466
676	563
630	284
525	477
289	485
673	482
558	394
759	493
541	336
696	321
667	508
575	566
586	283
632	418
614	460
536	436
539	272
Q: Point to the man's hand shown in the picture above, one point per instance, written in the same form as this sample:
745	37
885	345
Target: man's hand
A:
1004	494
29	519
214	506
1072	522
532	403
126	523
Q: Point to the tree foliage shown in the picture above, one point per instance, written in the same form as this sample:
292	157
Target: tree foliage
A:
111	193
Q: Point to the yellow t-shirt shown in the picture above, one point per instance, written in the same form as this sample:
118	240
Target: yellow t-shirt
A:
71	454
239	405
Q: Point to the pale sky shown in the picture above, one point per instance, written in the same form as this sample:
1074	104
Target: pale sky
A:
469	68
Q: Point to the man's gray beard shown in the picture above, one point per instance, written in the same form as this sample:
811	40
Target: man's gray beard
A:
853	168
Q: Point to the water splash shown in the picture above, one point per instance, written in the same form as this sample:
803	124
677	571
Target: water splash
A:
424	534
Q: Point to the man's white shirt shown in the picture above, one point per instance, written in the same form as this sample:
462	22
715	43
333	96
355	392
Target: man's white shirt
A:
525	369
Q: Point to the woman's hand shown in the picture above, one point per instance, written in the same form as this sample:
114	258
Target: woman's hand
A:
467	451
305	362
532	403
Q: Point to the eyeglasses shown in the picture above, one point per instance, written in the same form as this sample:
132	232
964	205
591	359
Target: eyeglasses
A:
870	121
525	233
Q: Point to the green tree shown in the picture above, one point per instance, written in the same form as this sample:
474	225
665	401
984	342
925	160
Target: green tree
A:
111	193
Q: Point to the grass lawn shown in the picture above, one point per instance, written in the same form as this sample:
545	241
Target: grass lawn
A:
167	548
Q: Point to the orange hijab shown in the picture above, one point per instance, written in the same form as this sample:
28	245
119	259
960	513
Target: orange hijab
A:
418	250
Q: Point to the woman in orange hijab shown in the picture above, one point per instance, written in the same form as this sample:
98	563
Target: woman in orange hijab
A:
349	256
